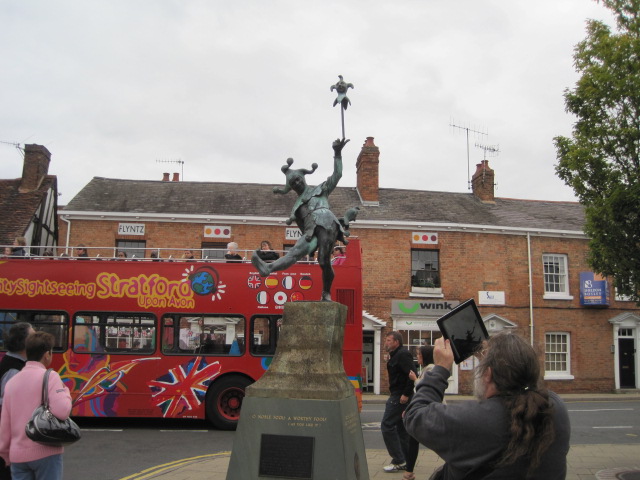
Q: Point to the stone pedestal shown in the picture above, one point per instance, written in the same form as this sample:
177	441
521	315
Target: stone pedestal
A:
301	419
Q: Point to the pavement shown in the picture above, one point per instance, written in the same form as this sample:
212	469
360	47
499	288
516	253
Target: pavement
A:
600	462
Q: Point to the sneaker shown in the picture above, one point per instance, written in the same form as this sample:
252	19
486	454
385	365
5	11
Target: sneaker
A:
395	467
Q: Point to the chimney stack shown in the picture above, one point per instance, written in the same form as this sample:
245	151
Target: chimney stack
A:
482	182
165	177
176	177
36	167
367	173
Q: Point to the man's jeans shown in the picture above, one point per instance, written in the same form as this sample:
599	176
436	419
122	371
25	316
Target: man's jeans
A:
47	468
395	437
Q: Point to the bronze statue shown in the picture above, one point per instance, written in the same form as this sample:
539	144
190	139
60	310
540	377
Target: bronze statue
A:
320	227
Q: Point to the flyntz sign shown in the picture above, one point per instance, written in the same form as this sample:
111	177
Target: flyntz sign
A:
422	307
131	229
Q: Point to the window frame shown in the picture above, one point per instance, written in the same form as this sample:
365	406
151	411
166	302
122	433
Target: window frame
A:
131	248
564	374
563	276
275	323
210	348
63	335
434	274
103	326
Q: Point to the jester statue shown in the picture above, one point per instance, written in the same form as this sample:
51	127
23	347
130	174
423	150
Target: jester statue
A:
320	227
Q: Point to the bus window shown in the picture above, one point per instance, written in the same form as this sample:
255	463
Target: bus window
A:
114	333
54	323
203	334
86	334
265	334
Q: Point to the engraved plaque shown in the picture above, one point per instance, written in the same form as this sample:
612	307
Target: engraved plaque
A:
288	456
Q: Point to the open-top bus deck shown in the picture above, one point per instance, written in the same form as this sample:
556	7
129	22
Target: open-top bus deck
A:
174	339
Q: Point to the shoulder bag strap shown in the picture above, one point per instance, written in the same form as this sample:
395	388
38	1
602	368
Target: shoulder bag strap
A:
45	388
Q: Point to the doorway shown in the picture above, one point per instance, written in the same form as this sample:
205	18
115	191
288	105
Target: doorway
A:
627	362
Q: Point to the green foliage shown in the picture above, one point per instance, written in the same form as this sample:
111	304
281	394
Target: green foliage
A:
601	162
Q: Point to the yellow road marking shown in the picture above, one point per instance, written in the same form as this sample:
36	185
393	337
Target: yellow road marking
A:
149	472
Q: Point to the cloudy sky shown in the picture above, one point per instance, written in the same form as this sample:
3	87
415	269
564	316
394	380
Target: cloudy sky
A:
233	88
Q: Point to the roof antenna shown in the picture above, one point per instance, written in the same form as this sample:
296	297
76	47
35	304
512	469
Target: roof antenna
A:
178	161
493	150
468	129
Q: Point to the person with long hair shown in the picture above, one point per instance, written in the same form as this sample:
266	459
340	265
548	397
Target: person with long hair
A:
516	429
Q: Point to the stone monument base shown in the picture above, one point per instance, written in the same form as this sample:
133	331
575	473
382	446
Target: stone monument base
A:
303	439
301	419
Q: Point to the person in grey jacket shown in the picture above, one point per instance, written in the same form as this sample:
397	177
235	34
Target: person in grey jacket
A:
515	430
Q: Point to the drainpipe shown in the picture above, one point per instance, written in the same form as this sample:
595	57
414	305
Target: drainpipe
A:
530	287
68	222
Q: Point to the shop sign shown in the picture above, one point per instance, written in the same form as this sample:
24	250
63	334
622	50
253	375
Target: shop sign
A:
424	238
486	297
131	229
422	307
404	324
594	290
292	233
217	231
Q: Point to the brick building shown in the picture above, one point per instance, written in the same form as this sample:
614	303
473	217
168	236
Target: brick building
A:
29	203
524	262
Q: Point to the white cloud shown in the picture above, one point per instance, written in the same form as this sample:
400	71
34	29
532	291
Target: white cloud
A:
234	88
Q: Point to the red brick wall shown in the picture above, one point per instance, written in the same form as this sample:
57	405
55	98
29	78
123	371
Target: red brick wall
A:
469	262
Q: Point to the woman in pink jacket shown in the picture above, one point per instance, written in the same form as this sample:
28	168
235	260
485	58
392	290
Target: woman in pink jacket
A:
23	393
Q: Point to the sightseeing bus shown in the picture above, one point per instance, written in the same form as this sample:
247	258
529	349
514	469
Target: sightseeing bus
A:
170	339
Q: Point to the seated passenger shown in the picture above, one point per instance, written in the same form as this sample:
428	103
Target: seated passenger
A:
232	255
339	256
19	245
266	253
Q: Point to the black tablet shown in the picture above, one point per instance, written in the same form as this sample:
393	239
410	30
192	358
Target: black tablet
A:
464	328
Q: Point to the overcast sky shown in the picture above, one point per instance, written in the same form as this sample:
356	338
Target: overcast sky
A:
233	88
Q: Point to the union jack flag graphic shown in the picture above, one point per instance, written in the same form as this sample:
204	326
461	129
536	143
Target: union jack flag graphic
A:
254	281
183	388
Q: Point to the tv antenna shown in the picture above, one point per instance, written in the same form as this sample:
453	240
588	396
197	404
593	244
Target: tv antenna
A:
13	144
493	150
178	161
468	130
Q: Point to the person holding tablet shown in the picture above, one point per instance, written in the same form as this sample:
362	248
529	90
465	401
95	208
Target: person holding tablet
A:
517	429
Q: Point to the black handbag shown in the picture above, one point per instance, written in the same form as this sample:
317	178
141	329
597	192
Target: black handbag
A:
45	428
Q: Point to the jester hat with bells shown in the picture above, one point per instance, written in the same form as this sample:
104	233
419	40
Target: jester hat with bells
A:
290	173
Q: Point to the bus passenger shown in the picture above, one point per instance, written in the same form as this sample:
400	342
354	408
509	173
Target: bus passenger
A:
18	249
81	252
266	253
232	255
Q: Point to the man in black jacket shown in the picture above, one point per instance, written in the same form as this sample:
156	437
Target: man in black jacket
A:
395	436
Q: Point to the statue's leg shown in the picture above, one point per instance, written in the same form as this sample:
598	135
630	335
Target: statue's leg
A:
301	249
326	241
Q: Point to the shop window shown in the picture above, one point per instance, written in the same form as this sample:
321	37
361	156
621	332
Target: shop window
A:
133	249
425	269
203	334
556	276
414	339
265	330
55	323
557	356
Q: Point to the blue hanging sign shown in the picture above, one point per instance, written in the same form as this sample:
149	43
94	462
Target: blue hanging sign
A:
594	290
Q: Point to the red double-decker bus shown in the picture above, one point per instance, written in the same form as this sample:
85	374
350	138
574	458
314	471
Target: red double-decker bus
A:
171	339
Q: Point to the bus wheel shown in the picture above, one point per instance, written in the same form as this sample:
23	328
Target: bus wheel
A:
224	399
